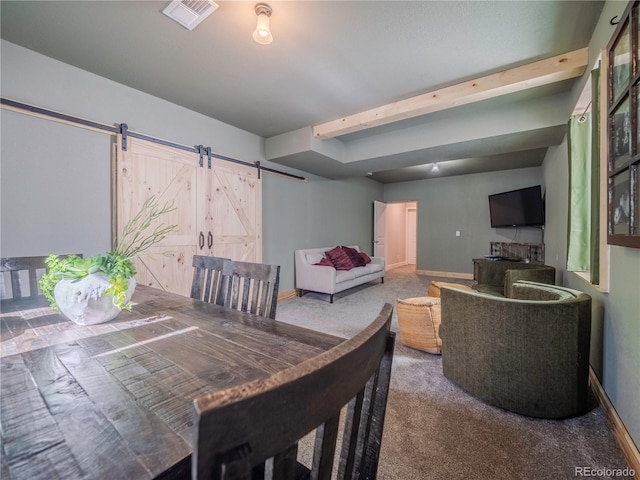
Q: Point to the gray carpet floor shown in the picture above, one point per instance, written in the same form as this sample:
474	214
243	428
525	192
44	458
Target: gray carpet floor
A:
434	430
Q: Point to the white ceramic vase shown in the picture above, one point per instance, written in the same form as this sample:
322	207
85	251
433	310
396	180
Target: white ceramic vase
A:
84	302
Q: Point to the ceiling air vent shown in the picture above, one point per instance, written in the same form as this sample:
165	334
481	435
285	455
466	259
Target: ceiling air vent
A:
189	13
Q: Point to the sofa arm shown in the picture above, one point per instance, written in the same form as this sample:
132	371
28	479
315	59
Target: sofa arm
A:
543	274
316	278
377	260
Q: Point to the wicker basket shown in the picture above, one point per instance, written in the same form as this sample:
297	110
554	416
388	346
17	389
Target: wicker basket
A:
419	323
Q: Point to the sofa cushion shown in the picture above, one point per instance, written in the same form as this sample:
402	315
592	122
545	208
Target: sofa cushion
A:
345	275
361	271
339	258
354	256
314	258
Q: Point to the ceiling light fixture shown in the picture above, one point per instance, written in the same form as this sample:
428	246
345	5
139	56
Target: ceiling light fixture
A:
262	33
435	167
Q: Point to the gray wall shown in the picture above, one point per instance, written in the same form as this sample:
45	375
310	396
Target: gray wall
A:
461	203
61	187
615	325
320	213
615	338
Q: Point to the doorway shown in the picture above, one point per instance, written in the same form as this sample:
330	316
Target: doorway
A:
400	233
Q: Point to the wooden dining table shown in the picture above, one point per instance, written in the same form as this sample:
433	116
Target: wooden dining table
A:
115	400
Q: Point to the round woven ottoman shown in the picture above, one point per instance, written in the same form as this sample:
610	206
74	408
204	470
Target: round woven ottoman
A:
434	288
419	322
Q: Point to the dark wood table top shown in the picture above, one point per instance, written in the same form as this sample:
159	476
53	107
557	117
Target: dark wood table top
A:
116	400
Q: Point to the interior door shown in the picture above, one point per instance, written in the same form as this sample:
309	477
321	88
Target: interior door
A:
218	209
232	206
146	169
379	234
411	235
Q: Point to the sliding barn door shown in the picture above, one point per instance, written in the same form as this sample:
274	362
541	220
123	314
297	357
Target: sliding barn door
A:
218	209
234	211
146	169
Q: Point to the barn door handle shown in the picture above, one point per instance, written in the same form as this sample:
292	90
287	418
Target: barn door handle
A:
201	240
210	240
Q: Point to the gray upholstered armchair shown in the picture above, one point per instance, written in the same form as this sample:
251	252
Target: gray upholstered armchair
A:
497	277
528	354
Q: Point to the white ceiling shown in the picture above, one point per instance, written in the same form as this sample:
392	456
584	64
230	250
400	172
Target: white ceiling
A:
331	59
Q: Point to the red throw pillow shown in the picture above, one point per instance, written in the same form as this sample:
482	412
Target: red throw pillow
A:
325	262
339	258
354	256
365	257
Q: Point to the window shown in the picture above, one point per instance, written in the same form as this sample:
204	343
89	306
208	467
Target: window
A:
587	249
623	135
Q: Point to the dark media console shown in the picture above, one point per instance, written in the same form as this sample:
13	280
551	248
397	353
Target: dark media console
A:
514	252
497	258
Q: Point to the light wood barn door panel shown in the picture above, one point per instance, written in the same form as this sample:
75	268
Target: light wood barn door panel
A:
233	211
167	267
146	169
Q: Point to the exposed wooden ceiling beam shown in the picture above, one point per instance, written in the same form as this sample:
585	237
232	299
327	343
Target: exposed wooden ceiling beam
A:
543	72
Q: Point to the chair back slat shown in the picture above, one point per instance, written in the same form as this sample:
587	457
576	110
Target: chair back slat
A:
284	464
207	276
348	457
325	447
258	304
212	285
377	410
250	287
16	286
256	427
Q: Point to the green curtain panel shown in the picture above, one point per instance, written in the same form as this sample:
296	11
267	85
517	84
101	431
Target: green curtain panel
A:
579	225
595	177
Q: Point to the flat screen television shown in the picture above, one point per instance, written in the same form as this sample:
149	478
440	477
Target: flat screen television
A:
517	208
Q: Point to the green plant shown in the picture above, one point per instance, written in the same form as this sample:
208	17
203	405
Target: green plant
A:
116	265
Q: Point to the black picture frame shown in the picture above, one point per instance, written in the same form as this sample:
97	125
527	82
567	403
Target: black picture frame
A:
623	131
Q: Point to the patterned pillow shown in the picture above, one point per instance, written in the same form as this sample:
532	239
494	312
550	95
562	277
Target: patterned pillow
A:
365	257
355	257
339	258
325	262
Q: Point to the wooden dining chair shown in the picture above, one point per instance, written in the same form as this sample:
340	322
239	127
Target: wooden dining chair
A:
23	272
250	287
245	431
207	276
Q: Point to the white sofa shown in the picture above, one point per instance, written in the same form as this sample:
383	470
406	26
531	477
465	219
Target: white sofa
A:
323	279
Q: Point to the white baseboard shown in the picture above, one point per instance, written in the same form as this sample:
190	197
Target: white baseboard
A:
626	443
433	273
395	265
